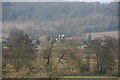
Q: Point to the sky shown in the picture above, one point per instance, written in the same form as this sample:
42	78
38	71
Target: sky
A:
102	1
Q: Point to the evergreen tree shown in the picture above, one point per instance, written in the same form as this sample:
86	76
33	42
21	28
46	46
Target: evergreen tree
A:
89	37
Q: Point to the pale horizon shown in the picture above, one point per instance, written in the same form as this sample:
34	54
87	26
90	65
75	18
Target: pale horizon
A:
101	1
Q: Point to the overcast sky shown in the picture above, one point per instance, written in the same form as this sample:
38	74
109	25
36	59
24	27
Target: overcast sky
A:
57	0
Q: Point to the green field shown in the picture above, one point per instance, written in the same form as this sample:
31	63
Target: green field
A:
90	78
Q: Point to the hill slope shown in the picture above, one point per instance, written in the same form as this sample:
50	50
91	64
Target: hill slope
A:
66	18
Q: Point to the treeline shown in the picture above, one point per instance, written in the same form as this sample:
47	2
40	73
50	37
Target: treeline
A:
55	60
63	17
55	11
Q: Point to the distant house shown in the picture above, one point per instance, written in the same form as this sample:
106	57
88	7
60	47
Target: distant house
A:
36	41
60	38
3	38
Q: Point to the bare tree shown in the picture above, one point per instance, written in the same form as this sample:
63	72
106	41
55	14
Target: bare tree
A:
104	48
21	50
57	54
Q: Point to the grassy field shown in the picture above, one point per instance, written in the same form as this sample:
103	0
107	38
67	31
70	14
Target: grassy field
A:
90	78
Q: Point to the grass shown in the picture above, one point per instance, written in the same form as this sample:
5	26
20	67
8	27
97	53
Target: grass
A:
90	77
